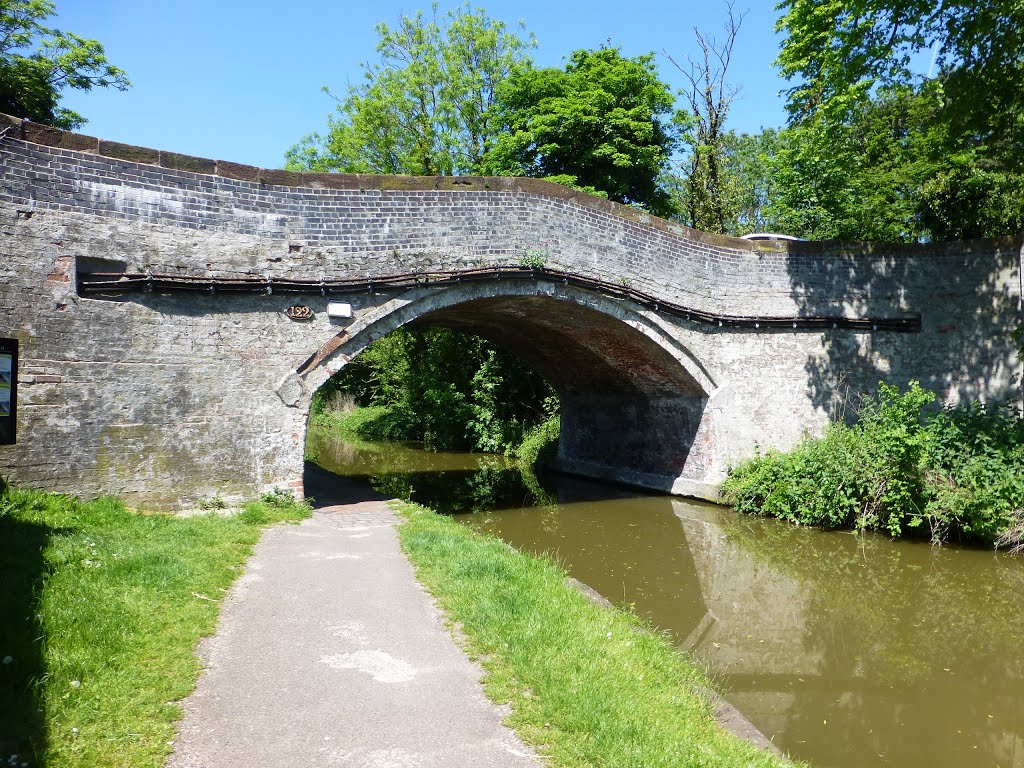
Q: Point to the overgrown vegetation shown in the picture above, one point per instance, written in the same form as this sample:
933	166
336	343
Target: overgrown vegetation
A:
588	685
448	390
103	607
954	474
540	444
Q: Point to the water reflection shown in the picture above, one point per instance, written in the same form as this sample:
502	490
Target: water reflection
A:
900	653
449	482
847	651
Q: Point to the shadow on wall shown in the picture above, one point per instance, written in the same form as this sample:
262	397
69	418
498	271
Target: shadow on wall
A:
968	295
627	403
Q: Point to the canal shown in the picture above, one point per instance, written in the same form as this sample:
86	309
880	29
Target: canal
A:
846	651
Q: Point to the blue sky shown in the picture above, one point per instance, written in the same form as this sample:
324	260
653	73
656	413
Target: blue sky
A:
241	80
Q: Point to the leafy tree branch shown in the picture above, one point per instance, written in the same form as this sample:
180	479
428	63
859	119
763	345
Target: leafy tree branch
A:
37	62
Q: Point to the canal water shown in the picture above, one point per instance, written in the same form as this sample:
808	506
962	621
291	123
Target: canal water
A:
847	651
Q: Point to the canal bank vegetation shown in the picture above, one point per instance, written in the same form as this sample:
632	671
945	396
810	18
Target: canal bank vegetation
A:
446	390
588	685
952	474
103	607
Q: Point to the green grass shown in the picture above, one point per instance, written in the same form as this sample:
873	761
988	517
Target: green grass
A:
102	610
589	686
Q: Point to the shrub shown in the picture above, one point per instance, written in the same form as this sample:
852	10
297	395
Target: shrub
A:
975	468
540	444
958	473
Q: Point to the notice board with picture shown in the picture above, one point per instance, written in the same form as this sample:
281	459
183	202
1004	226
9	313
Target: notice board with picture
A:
8	390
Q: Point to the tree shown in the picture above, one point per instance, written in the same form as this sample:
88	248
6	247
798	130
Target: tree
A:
601	123
840	49
708	97
37	62
445	388
885	153
747	186
427	108
859	178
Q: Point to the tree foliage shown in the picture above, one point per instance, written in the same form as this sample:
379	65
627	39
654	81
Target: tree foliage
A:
446	389
37	62
838	49
875	151
860	178
428	106
457	94
602	122
746	189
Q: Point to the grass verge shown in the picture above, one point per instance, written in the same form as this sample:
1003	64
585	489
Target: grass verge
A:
589	686
102	610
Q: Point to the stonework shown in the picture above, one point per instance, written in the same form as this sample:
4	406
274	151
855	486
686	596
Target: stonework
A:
165	398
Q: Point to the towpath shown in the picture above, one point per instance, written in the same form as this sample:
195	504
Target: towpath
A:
329	653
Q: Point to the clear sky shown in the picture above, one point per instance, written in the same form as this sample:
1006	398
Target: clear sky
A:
241	80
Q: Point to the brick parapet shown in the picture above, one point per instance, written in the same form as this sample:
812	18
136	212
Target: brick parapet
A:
47	136
336	225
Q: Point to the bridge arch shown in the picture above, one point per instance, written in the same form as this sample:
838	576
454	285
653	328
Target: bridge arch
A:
633	396
154	297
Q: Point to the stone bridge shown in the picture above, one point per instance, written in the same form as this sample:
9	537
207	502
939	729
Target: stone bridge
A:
150	292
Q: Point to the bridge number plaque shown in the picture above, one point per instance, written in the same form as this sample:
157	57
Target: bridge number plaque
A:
8	390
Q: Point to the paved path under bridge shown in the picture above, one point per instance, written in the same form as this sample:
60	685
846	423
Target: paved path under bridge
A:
328	653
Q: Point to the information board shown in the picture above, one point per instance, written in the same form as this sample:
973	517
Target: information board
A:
8	390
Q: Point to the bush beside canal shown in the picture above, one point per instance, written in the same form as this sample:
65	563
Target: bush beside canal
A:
588	685
540	444
442	388
953	474
103	607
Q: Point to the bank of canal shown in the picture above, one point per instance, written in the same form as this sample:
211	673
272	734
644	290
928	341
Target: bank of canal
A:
845	650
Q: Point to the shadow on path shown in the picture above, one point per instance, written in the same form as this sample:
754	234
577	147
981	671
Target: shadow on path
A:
325	489
22	572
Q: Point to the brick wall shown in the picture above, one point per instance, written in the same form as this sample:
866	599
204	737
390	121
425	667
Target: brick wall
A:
167	398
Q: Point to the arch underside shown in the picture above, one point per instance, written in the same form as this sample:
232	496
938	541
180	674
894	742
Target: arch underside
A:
629	408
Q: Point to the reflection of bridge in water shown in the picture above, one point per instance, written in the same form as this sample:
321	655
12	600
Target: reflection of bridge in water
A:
873	652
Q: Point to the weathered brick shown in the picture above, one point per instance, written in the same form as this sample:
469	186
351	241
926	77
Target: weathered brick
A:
238	171
179	162
13	124
41	134
163	398
79	142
